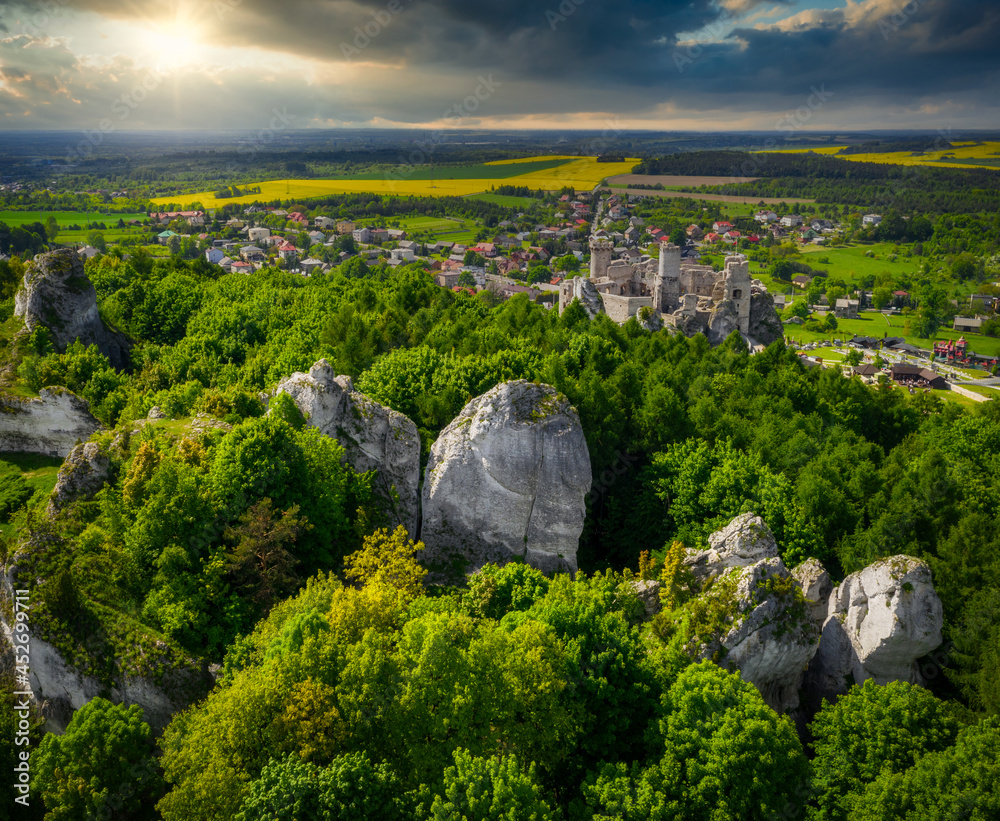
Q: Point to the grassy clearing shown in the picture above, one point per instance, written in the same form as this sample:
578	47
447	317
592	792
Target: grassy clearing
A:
871	324
503	199
13	218
40	472
984	390
851	262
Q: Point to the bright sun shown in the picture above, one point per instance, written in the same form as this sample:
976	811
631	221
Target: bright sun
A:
172	45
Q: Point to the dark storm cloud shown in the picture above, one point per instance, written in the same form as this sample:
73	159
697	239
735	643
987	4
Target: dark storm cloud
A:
410	61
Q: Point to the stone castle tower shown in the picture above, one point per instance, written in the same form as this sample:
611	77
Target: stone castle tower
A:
601	249
667	283
736	281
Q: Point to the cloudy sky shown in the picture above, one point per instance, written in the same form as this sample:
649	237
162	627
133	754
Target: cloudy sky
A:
774	65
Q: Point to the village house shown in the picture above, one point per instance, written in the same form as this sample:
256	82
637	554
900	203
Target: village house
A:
846	309
791	220
345	227
964	323
214	255
287	251
258	234
765	216
870	220
362	235
251	253
801	281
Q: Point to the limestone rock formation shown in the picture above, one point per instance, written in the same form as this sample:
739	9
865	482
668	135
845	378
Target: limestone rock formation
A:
58	295
505	480
51	425
58	688
82	474
746	540
584	290
769	637
648	592
723	321
879	622
649	319
765	324
816	586
373	436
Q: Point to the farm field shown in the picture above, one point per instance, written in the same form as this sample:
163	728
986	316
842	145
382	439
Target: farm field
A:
546	173
962	155
673	180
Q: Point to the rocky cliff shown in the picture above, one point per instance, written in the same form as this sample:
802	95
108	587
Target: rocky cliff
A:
58	295
84	472
767	633
723	320
58	689
879	621
876	624
507	480
765	324
51	425
373	436
584	290
745	541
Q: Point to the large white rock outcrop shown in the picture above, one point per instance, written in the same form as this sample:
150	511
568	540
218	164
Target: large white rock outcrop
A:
767	634
816	587
58	295
746	540
373	436
765	324
590	299
84	472
879	621
506	480
51	424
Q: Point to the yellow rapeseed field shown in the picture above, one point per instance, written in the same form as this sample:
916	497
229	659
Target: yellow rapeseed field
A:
965	153
583	173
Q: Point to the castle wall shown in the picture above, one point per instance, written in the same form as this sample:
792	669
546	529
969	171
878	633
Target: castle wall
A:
621	308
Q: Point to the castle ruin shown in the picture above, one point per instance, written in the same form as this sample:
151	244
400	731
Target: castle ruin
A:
689	297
